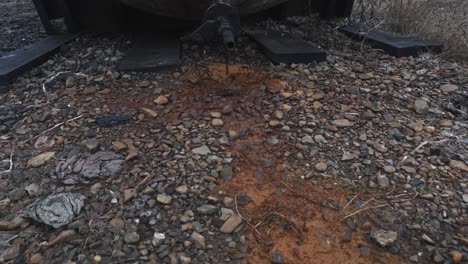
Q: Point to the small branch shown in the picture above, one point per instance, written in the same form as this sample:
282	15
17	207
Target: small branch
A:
350	201
54	127
364	209
238	213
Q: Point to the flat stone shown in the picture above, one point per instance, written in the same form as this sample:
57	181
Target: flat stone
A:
231	224
227	172
182	189
465	198
384	237
44	142
448	88
164	198
203	150
389	169
57	210
342	123
149	112
307	140
217	122
321	166
458	165
41	159
132	238
348	156
198	240
383	181
91	145
100	164
161	100
421	106
207	209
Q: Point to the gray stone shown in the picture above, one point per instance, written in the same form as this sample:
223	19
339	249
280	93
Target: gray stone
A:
203	150
227	173
100	164
342	123
57	210
421	106
383	181
384	237
307	140
207	209
277	258
448	88
231	224
41	159
198	240
321	166
465	198
132	238
91	145
164	198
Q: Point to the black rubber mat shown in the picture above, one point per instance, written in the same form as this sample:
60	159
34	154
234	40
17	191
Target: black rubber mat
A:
152	52
281	48
395	45
21	60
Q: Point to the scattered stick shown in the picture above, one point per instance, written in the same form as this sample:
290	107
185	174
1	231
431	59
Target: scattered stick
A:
44	89
350	201
364	209
54	127
239	214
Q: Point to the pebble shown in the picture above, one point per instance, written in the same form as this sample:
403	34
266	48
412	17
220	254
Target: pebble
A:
448	88
383	181
41	159
217	122
421	106
389	169
36	259
182	189
203	150
161	100
458	165
207	209
342	123
321	166
456	256
158	238
164	198
132	238
277	258
231	224
227	172
199	240
307	140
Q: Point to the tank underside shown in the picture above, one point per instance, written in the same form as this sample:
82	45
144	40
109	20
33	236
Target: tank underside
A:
195	9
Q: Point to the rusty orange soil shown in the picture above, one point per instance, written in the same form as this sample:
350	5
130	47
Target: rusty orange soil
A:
300	219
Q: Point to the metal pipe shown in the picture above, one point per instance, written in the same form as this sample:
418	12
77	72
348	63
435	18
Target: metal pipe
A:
229	39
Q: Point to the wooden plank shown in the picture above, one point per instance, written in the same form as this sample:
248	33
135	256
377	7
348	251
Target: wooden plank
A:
152	52
395	45
282	48
24	59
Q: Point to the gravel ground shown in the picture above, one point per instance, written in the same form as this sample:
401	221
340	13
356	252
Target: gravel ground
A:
20	25
359	159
